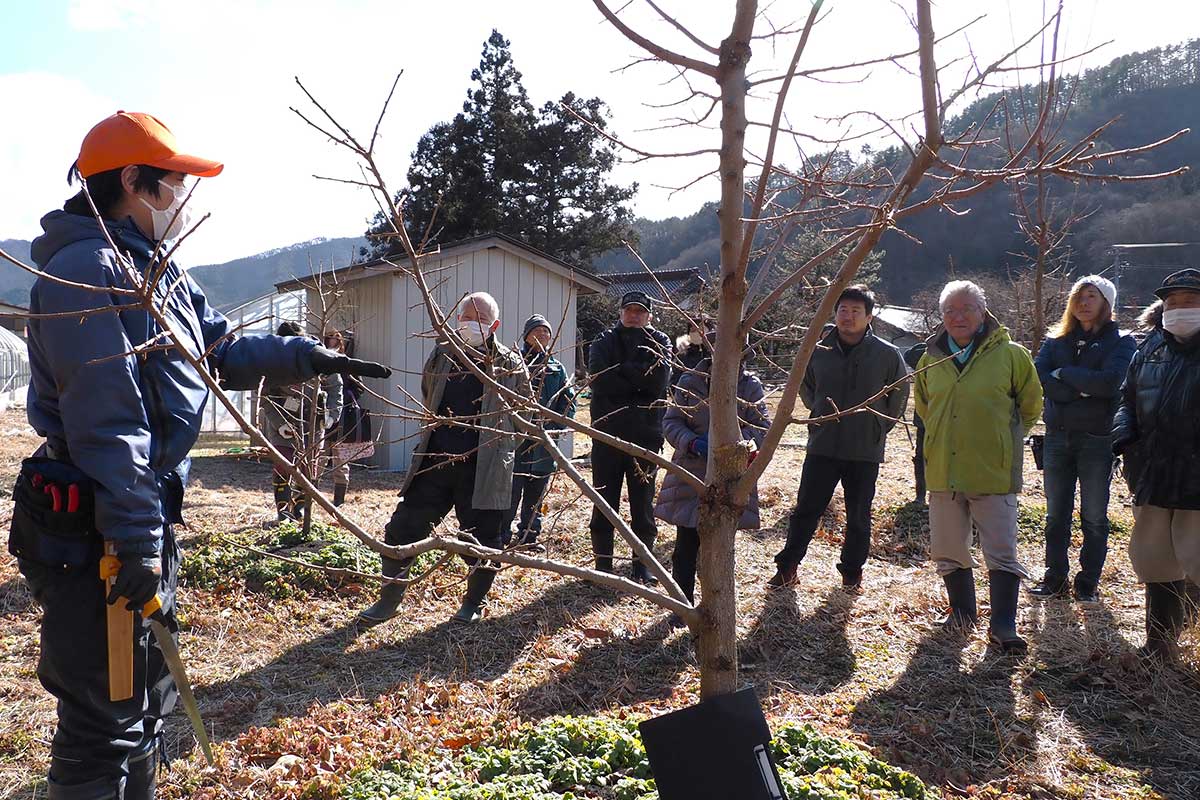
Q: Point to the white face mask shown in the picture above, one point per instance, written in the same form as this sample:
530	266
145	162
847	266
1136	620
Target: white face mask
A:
1182	323
472	332
167	224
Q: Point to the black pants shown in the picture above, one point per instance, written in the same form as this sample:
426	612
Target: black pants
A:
609	467
96	738
683	560
527	493
818	479
442	485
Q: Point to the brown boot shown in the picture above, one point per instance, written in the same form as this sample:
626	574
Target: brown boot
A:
784	576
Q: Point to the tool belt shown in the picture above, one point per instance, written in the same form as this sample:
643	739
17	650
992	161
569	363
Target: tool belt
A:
54	516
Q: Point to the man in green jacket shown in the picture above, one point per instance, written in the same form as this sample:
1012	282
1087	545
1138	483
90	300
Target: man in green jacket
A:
464	461
978	393
850	366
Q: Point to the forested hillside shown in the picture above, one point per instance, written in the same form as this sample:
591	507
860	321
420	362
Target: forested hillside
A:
1152	95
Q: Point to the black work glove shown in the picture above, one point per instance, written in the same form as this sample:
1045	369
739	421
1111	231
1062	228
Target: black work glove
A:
137	580
330	362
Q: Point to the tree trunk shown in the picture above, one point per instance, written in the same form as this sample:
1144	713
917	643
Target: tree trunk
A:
716	645
720	508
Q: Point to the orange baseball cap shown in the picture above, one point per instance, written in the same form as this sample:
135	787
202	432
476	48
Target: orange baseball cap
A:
128	138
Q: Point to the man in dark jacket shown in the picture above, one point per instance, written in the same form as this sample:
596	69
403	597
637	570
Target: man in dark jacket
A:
851	365
1157	431
123	422
630	365
535	465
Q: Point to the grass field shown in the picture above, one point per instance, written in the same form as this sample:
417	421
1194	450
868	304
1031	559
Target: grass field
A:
296	698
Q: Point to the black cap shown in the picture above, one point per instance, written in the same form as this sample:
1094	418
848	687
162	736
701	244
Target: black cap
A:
536	321
1188	279
636	298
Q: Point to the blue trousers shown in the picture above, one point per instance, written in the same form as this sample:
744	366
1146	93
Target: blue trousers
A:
1071	458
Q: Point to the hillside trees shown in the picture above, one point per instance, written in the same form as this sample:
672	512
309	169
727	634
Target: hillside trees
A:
539	175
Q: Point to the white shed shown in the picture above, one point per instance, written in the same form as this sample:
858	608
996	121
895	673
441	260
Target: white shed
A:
384	309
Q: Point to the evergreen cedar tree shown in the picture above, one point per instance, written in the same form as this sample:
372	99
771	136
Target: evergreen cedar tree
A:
538	175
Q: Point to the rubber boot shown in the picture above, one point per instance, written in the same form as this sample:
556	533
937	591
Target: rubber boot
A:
478	584
1165	617
390	595
143	776
99	789
960	587
283	501
1005	589
339	494
1191	602
602	546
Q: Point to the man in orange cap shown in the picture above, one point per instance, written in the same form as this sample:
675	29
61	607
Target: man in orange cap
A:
118	429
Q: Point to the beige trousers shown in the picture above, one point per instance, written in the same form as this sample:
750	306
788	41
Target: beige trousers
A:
1165	545
994	515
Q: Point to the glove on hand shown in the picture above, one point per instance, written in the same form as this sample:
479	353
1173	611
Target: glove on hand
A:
700	445
137	580
329	362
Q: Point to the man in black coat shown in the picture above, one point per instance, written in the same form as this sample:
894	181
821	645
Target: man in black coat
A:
850	366
630	365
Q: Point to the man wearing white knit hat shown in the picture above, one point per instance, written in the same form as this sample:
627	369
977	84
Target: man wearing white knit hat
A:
1081	365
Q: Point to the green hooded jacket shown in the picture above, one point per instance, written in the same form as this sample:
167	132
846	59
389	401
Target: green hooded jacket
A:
976	418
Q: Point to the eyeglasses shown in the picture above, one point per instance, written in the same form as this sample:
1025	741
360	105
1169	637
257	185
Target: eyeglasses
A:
965	311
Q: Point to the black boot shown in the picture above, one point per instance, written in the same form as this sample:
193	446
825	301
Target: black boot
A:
99	789
1005	589
1165	616
602	546
283	501
960	587
143	776
339	493
478	584
1051	586
641	573
390	595
1191	602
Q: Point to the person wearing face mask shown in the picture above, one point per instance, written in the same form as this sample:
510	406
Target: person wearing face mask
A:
119	414
466	467
1081	365
630	368
1156	431
535	465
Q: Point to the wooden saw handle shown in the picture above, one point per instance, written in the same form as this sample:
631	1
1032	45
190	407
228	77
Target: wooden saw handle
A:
120	631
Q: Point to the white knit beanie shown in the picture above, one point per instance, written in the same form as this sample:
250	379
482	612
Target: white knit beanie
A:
1103	285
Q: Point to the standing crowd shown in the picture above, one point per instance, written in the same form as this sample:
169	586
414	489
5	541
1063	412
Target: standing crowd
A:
120	413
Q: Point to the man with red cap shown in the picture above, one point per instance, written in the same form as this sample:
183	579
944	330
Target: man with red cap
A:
118	425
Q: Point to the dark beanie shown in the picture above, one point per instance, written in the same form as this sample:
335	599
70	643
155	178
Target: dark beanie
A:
536	321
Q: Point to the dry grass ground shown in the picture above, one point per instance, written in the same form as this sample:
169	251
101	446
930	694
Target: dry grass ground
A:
1078	718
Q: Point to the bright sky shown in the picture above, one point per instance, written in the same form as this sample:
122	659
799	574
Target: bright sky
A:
219	73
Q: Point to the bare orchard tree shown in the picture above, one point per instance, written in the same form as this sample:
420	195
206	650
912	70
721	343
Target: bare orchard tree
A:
1045	216
859	207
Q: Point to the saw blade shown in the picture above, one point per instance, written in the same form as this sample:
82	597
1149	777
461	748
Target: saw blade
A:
166	643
